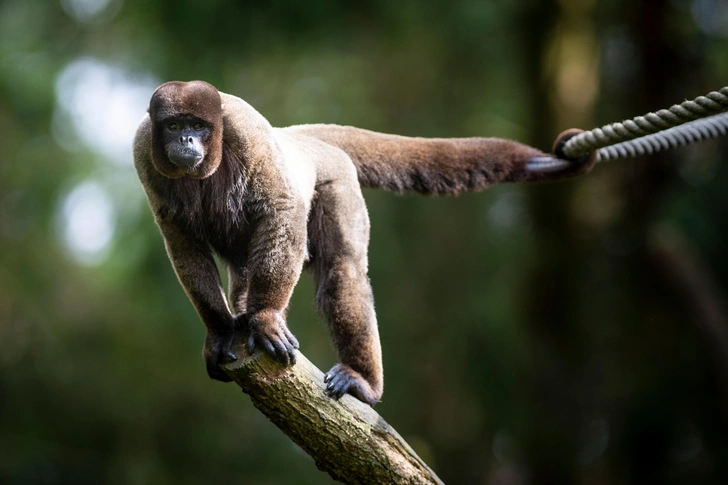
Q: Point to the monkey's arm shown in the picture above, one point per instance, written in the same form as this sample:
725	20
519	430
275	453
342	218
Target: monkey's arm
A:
197	273
276	255
445	165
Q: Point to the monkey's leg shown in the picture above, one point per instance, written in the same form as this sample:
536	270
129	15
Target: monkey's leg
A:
339	229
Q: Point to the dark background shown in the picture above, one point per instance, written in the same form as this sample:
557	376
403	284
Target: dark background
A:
568	333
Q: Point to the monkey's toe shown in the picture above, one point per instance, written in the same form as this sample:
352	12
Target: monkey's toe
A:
342	379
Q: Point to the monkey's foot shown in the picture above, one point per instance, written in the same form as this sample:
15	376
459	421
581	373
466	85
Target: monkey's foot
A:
342	379
217	351
268	331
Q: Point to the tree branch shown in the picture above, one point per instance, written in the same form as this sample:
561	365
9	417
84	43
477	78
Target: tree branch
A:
346	438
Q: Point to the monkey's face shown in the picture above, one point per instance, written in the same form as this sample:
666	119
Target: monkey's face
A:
187	129
185	138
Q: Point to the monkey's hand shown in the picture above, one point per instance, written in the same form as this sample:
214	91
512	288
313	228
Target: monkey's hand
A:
269	332
217	351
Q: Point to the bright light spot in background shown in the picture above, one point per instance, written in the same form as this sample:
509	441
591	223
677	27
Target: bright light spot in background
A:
92	11
509	213
104	104
87	223
100	106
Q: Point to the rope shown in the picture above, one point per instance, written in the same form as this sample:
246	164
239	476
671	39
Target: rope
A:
690	132
680	125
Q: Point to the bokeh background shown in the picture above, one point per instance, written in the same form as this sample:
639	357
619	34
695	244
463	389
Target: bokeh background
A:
567	333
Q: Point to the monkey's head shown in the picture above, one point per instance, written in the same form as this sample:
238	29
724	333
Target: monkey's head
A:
187	129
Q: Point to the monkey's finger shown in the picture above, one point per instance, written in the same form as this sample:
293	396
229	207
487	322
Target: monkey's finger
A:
283	357
285	340
229	356
291	338
251	344
283	344
281	352
266	344
270	348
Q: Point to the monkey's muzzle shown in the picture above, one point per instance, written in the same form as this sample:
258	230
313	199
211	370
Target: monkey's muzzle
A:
186	158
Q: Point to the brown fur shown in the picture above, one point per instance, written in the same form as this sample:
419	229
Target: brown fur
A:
267	200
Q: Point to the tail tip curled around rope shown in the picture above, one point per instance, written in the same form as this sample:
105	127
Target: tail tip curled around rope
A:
580	165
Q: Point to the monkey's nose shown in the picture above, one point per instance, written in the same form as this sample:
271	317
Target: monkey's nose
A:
185	140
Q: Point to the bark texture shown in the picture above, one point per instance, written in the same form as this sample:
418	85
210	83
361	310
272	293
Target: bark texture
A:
346	438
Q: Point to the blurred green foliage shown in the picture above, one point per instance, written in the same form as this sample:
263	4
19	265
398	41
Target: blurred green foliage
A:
540	334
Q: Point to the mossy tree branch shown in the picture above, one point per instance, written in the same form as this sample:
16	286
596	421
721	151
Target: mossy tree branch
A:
346	438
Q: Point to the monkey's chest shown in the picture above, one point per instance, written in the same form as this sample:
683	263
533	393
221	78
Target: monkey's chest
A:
215	214
227	233
230	241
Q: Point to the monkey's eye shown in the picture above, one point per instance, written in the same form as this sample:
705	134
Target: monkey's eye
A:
173	126
198	126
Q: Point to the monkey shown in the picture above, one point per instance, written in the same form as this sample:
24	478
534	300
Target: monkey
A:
270	201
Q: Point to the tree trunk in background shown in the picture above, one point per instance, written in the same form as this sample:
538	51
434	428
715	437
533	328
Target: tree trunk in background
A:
552	294
564	297
666	77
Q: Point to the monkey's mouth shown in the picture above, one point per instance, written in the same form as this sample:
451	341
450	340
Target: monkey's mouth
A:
185	158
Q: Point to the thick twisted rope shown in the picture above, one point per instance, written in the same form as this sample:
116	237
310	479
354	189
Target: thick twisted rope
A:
680	125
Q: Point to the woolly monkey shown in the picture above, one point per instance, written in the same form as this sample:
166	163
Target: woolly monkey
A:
269	201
